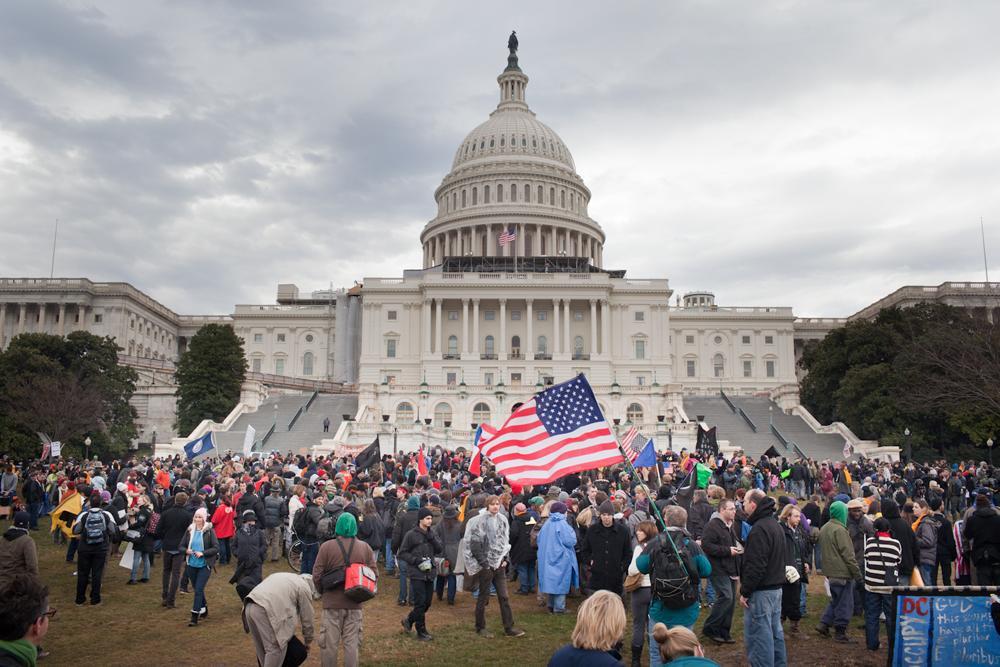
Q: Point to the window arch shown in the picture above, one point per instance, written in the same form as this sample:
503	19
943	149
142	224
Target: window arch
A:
500	193
475	196
719	365
489	345
515	342
404	413
486	194
543	345
527	193
540	192
307	363
464	193
552	196
481	413
442	413
578	346
513	192
634	413
453	344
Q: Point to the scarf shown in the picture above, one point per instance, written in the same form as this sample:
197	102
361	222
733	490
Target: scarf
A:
916	524
25	652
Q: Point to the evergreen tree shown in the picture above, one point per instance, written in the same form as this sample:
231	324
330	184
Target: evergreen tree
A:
209	376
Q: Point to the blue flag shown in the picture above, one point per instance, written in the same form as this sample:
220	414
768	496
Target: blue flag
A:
200	446
647	457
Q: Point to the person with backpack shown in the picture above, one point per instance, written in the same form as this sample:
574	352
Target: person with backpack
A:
676	565
96	529
761	583
342	617
275	513
405	522
306	527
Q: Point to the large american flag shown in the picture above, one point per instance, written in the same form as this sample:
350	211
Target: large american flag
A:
559	431
633	444
507	236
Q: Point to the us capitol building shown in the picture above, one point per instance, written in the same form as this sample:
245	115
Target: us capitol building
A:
485	323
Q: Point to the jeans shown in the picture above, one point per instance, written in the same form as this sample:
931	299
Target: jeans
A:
173	563
390	558
423	592
875	605
495	578
654	652
309	552
709	591
557	601
226	550
199	577
33	510
139	558
720	619
927	574
802	600
451	580
71	548
90	569
762	633
838	610
526	577
403	581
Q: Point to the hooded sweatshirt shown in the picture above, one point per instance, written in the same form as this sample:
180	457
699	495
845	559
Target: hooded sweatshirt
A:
17	552
836	546
764	559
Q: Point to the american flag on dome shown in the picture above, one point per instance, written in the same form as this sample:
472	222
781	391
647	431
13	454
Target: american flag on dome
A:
507	236
559	431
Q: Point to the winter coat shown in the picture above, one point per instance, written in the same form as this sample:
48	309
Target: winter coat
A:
450	534
764	559
371	531
557	566
860	531
275	511
417	545
698	516
946	549
609	551
331	558
173	522
926	533
147	541
223	521
211	550
982	529
250	501
796	550
250	548
521	550
836	547
716	542
18	554
404	524
903	533
287	599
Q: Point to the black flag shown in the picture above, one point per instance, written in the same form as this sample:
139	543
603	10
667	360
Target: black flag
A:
369	456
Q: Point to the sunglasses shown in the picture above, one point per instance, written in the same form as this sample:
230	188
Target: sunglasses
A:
51	613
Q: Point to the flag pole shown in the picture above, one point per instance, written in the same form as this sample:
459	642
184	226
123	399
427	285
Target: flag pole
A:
634	473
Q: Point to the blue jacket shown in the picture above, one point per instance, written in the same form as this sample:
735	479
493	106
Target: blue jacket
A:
557	567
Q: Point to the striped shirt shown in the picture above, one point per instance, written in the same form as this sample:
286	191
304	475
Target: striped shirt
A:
881	553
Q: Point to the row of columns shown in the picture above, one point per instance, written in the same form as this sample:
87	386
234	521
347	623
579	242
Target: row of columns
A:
433	310
469	241
43	310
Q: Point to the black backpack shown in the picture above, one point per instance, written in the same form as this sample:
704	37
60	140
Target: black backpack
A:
300	522
95	527
674	576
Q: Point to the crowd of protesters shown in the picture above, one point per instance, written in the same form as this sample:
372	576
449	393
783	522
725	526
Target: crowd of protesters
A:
692	537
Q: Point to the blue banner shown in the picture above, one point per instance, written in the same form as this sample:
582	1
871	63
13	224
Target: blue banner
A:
941	629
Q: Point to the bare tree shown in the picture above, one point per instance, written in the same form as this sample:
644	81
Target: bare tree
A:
61	405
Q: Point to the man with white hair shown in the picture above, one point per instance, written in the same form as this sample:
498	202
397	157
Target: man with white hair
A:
272	610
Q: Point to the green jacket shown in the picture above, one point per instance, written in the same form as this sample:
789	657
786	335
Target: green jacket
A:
836	547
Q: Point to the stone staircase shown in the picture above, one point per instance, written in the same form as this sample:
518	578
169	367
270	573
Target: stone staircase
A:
793	429
731	426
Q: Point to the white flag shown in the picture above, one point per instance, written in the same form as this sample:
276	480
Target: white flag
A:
248	440
56	449
848	450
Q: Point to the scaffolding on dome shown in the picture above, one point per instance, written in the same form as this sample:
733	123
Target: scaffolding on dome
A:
470	264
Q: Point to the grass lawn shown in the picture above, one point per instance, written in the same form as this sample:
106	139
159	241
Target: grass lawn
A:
131	628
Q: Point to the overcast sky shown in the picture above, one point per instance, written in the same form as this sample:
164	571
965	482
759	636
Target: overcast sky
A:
806	154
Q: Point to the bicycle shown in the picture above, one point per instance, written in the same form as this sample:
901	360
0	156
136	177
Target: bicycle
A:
295	553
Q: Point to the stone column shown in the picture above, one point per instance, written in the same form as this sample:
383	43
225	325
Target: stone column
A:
554	248
521	241
568	317
536	242
439	332
503	329
529	349
475	327
491	242
605	329
593	328
465	326
426	315
555	326
22	313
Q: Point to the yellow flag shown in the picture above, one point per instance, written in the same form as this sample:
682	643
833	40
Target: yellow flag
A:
64	515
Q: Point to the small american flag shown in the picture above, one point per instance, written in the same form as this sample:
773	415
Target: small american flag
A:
559	431
633	444
507	236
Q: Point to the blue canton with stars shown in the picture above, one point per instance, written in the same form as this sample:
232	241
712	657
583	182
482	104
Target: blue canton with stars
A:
568	406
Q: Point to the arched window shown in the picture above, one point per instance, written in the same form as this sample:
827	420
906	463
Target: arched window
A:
543	345
453	344
500	193
513	192
481	413
562	198
489	345
634	413
578	346
442	413
540	191
503	141
552	196
463	199
404	413
719	365
527	193
475	196
486	194
515	343
307	363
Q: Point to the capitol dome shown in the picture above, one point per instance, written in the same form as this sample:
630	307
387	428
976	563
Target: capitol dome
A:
512	173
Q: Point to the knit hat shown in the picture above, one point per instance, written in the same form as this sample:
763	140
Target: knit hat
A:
537	500
520	508
347	525
413	502
553	492
557	508
249	515
423	512
121	486
105	496
451	512
606	508
21	519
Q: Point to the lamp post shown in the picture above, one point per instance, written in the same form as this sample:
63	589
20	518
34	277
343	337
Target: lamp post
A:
86	443
909	450
989	448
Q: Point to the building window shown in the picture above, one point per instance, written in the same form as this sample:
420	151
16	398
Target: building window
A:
281	338
578	315
451	378
768	340
307	363
540	191
640	380
404	413
746	340
500	193
634	413
255	364
442	414
475	196
488	378
542	315
463	199
543	344
689	340
258	338
578	346
515	379
719	365
747	368
640	316
769	365
527	194
453	344
391	315
390	348
640	349
489	315
481	413
515	344
98	318
515	315
279	366
486	194
489	345
453	315
718	340
691	368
